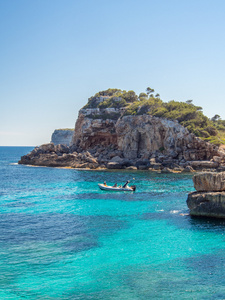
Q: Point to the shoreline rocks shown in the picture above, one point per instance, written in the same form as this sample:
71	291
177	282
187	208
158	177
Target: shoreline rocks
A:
51	155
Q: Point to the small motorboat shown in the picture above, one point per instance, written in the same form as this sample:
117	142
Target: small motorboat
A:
104	187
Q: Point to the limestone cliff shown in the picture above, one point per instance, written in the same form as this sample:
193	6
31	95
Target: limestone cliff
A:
62	136
139	136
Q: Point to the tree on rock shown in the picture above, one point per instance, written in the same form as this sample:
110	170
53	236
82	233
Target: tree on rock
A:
216	118
149	91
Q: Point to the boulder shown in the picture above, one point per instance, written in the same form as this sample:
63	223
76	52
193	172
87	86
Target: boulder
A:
131	168
166	170
217	159
209	182
114	165
211	204
203	164
47	147
62	148
188	169
116	159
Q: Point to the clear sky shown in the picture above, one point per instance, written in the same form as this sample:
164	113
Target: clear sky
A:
55	54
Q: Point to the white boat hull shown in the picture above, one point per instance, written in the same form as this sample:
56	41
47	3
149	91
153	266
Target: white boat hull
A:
115	189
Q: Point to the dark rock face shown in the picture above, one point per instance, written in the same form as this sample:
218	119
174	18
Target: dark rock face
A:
209	199
211	204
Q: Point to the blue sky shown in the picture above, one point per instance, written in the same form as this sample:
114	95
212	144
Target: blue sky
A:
55	54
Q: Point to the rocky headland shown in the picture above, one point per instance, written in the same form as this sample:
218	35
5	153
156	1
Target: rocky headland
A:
108	136
209	198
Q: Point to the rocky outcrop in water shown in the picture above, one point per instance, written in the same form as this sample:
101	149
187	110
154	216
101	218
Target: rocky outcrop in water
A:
62	136
116	140
50	155
209	198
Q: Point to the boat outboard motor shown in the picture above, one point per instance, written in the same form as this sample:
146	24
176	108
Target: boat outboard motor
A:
133	187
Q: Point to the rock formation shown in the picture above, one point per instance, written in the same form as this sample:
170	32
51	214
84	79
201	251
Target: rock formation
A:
209	198
51	155
138	138
117	140
62	136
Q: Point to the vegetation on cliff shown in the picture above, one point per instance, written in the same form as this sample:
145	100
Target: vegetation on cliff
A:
186	113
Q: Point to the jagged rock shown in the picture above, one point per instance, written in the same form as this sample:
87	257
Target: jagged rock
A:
50	147
91	160
209	182
60	148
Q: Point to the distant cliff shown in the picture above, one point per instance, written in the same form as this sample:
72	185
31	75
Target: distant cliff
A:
62	136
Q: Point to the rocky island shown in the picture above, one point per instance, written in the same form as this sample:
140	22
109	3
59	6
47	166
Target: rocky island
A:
120	130
209	198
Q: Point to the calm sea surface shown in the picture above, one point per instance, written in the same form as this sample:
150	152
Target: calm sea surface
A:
63	238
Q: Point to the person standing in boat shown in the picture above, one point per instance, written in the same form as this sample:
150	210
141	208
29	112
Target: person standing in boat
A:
125	185
105	183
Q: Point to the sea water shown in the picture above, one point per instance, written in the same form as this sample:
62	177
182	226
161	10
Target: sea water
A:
61	237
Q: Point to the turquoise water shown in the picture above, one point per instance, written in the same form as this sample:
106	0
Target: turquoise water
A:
63	238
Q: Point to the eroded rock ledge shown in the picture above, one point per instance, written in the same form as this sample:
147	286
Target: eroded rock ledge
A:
111	158
209	198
